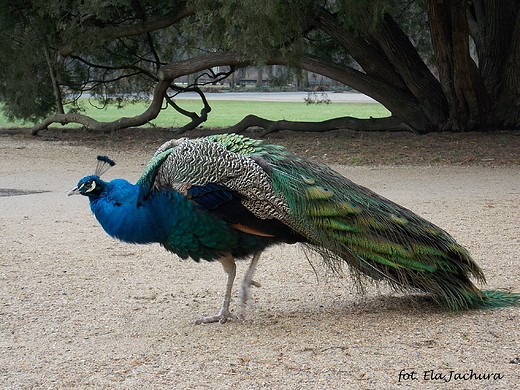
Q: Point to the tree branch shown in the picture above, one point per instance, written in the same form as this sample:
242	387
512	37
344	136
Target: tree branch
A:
149	114
366	55
137	69
195	118
409	65
394	99
54	79
373	124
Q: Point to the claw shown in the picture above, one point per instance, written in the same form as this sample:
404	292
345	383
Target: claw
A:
221	318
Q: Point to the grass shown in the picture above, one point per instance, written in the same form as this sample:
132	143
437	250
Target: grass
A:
225	113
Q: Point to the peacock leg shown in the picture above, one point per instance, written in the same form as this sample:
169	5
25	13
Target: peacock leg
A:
228	262
246	284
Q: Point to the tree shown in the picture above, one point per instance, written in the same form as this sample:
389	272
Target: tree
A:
58	50
23	79
449	65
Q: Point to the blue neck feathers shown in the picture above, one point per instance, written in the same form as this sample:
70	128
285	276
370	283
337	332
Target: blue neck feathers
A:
125	213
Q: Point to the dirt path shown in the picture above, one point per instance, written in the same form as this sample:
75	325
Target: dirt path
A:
80	310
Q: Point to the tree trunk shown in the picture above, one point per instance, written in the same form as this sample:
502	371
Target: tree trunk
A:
507	111
260	76
491	24
495	28
54	81
468	101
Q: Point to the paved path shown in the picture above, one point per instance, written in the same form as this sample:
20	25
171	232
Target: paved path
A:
346	97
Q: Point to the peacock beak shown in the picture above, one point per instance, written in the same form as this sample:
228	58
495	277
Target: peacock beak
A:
74	191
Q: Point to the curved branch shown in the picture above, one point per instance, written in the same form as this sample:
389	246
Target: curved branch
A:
195	118
149	114
204	61
396	100
390	123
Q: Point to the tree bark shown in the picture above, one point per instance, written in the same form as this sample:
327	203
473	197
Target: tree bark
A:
418	79
507	111
468	101
491	25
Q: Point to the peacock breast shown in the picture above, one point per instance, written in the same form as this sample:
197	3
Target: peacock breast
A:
128	216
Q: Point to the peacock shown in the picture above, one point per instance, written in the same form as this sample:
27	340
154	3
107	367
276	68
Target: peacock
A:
227	197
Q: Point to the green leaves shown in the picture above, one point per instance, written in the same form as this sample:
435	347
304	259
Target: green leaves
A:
252	28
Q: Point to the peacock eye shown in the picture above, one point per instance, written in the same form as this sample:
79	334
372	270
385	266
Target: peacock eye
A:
89	186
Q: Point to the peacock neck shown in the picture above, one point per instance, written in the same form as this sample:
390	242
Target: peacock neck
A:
124	213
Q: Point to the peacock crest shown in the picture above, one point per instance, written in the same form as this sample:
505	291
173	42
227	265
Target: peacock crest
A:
103	165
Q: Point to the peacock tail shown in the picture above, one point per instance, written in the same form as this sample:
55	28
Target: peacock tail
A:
341	220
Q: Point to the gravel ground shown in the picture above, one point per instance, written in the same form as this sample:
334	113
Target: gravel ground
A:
81	310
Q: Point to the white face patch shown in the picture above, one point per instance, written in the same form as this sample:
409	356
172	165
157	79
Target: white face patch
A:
92	187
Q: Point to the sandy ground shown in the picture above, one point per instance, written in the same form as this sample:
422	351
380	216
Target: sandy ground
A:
81	310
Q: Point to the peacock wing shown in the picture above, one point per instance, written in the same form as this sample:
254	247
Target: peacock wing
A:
211	160
370	232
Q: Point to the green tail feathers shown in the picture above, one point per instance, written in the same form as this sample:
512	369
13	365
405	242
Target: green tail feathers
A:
376	237
457	296
496	299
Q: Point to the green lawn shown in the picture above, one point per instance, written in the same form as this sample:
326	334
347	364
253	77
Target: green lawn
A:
226	112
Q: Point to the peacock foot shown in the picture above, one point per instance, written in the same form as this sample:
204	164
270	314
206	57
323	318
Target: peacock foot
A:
221	317
245	296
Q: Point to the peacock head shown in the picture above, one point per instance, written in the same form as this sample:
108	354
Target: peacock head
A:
92	186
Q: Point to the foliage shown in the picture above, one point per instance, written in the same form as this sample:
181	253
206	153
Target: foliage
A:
251	28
